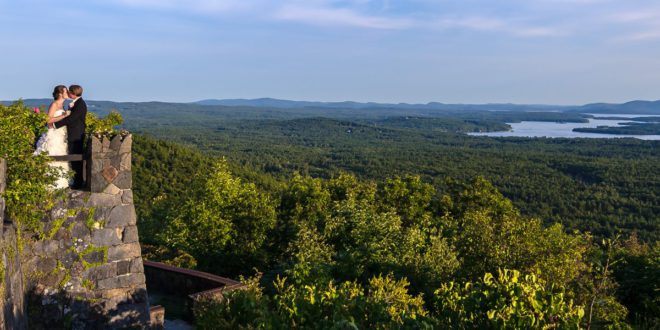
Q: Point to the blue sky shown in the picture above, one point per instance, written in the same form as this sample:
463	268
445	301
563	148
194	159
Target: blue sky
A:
452	51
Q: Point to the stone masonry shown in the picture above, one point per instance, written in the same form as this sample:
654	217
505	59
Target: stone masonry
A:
85	270
109	166
12	297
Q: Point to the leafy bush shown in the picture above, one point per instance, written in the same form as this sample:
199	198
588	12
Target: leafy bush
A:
638	276
346	230
103	126
28	176
246	308
226	219
510	301
489	233
383	304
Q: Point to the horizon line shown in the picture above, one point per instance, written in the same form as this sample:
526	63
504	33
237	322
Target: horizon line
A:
348	101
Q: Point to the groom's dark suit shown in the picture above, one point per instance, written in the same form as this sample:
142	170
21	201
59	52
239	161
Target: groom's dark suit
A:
75	127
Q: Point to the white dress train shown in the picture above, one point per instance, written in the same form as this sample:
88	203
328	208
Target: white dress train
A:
53	143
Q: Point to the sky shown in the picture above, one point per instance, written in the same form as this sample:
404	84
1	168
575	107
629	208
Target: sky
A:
415	51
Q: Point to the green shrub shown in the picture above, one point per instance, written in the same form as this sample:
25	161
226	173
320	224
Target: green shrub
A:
383	304
510	301
103	126
28	176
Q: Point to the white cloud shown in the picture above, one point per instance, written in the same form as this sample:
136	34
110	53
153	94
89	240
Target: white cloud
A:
338	17
201	6
522	18
642	36
637	16
636	25
495	25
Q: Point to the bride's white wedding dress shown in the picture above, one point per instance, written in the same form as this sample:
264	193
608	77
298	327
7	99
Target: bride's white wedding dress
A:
53	143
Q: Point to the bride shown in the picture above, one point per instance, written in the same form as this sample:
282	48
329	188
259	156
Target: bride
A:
53	142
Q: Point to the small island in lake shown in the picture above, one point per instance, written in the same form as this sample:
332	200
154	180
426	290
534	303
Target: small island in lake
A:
627	128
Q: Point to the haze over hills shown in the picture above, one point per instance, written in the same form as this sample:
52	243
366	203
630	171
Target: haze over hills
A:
636	107
632	107
278	103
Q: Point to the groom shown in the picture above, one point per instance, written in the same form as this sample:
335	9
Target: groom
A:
75	124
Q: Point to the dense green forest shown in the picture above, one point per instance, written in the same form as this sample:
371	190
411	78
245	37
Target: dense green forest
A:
625	128
603	185
342	217
395	223
397	252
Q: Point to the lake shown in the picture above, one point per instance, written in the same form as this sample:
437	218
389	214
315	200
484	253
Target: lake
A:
565	130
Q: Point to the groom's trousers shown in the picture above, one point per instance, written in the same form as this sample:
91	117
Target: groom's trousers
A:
76	147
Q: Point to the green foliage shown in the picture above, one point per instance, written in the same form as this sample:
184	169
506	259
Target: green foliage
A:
598	289
247	308
28	176
340	228
165	176
510	301
596	185
169	256
226	217
311	259
103	126
410	198
345	229
384	304
489	233
638	278
631	128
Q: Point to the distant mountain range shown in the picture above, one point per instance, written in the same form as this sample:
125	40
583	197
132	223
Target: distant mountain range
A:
637	107
633	107
288	104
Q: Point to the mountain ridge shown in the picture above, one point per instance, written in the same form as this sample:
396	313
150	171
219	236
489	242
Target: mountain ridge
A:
630	107
636	106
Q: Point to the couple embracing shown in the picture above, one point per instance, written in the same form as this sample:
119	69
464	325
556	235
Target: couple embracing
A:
66	131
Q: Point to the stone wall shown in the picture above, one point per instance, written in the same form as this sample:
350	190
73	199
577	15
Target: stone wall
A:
14	307
84	269
12	298
109	165
87	269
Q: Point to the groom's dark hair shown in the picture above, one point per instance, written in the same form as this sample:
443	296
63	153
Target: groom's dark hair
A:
76	90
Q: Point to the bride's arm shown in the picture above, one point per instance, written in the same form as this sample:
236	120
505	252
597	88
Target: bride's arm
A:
51	114
58	118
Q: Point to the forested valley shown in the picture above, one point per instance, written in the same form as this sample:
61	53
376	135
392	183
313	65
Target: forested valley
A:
385	222
403	222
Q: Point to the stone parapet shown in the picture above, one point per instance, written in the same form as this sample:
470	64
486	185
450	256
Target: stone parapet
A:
109	163
83	269
88	267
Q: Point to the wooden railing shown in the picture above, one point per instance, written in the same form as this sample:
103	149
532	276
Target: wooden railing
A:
69	158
